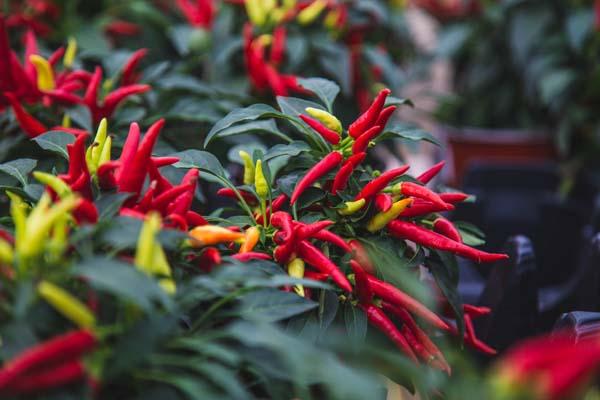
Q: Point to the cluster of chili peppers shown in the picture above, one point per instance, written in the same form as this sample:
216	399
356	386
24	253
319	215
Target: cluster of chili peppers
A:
54	363
38	81
198	13
32	14
263	70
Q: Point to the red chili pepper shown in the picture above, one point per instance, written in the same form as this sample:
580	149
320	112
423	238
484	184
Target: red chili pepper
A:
161	201
473	340
85	212
362	286
90	98
56	56
328	134
209	259
379	183
230	193
383	201
251	255
283	252
59	349
453	198
160	162
283	221
181	204
129	75
328	163
421	336
370	116
420	208
194	219
276	205
318	260
304	231
431	173
341	178
385	115
132	179
421	192
114	98
444	227
398	298
7	82
162	183
278	46
316	276
383	323
31	126
330	237
427	238
275	81
362	142
475	311
37	381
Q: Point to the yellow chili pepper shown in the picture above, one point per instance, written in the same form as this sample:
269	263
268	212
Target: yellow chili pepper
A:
70	52
94	152
150	256
248	168
66	121
67	305
45	76
326	118
310	13
331	19
352	207
6	252
260	182
251	237
380	220
54	182
296	270
256	12
19	216
208	235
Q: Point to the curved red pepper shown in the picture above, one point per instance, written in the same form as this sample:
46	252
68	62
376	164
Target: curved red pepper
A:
427	238
420	208
383	323
444	227
330	237
370	116
30	125
453	198
251	255
278	45
412	189
47	378
328	134
328	163
129	74
362	142
341	178
318	260
379	183
431	173
306	231
385	115
383	201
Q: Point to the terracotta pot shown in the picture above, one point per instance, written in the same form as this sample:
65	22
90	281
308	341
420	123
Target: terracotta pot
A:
498	145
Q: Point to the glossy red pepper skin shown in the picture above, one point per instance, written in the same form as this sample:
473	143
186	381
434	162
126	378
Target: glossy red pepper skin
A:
330	237
427	238
313	256
444	227
284	222
30	125
341	178
383	201
275	206
431	173
410	189
230	193
278	46
306	231
385	115
421	208
328	163
361	144
420	335
377	318
48	378
329	135
475	311
454	198
362	286
210	258
68	346
369	117
398	298
129	75
379	183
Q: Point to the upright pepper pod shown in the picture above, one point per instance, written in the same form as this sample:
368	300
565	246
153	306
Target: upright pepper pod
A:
310	13
45	75
341	178
328	163
66	304
379	183
249	169
369	117
296	270
260	182
70	52
431	173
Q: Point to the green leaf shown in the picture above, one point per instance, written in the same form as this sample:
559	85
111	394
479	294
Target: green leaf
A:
356	322
81	116
240	115
204	161
579	26
408	132
108	205
396	101
19	169
325	90
273	305
123	281
335	60
445	272
266	126
55	141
